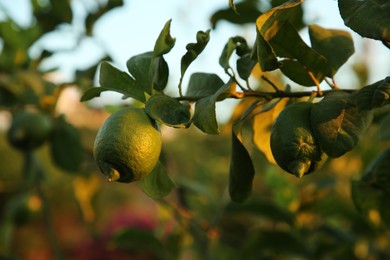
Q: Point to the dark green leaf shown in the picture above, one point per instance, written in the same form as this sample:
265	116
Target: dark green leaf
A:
245	65
160	73
265	55
139	67
168	111
241	171
113	79
235	43
335	45
203	85
244	12
66	147
164	41
204	117
369	18
92	93
378	174
157	184
296	72
194	49
375	95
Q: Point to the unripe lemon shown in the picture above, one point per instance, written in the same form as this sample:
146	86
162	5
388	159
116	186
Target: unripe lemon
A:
128	145
292	142
29	130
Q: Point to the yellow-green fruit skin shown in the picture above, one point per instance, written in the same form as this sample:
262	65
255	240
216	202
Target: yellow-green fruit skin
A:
292	142
129	143
29	130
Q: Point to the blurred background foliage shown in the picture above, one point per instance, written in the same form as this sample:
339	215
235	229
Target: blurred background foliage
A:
73	213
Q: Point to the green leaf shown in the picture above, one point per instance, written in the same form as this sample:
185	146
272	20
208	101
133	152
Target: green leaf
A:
157	184
241	172
262	208
194	49
377	174
139	67
369	18
92	93
265	55
375	95
65	145
159	73
204	117
234	43
245	65
245	12
164	42
297	73
384	129
337	123
203	85
335	45
115	80
168	111
277	37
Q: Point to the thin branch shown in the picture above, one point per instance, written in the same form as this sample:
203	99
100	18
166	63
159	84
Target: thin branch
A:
270	83
268	95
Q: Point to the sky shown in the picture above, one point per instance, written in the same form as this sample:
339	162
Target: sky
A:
133	29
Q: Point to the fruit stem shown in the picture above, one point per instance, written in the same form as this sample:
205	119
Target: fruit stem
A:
113	175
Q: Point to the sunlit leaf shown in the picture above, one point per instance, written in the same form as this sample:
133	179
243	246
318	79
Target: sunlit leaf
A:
157	184
168	111
203	85
241	172
164	42
335	45
116	80
194	49
205	116
369	18
262	124
139	67
375	95
66	147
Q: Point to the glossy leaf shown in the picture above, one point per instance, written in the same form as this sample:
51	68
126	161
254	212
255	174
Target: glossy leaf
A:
157	184
164	42
234	43
203	85
194	49
265	54
335	45
262	124
168	111
114	79
139	67
66	147
337	123
241	172
375	95
205	117
369	18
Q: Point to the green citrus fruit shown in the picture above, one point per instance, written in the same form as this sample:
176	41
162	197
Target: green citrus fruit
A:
128	145
292	142
29	130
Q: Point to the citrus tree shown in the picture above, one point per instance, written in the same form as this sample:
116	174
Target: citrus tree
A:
292	111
